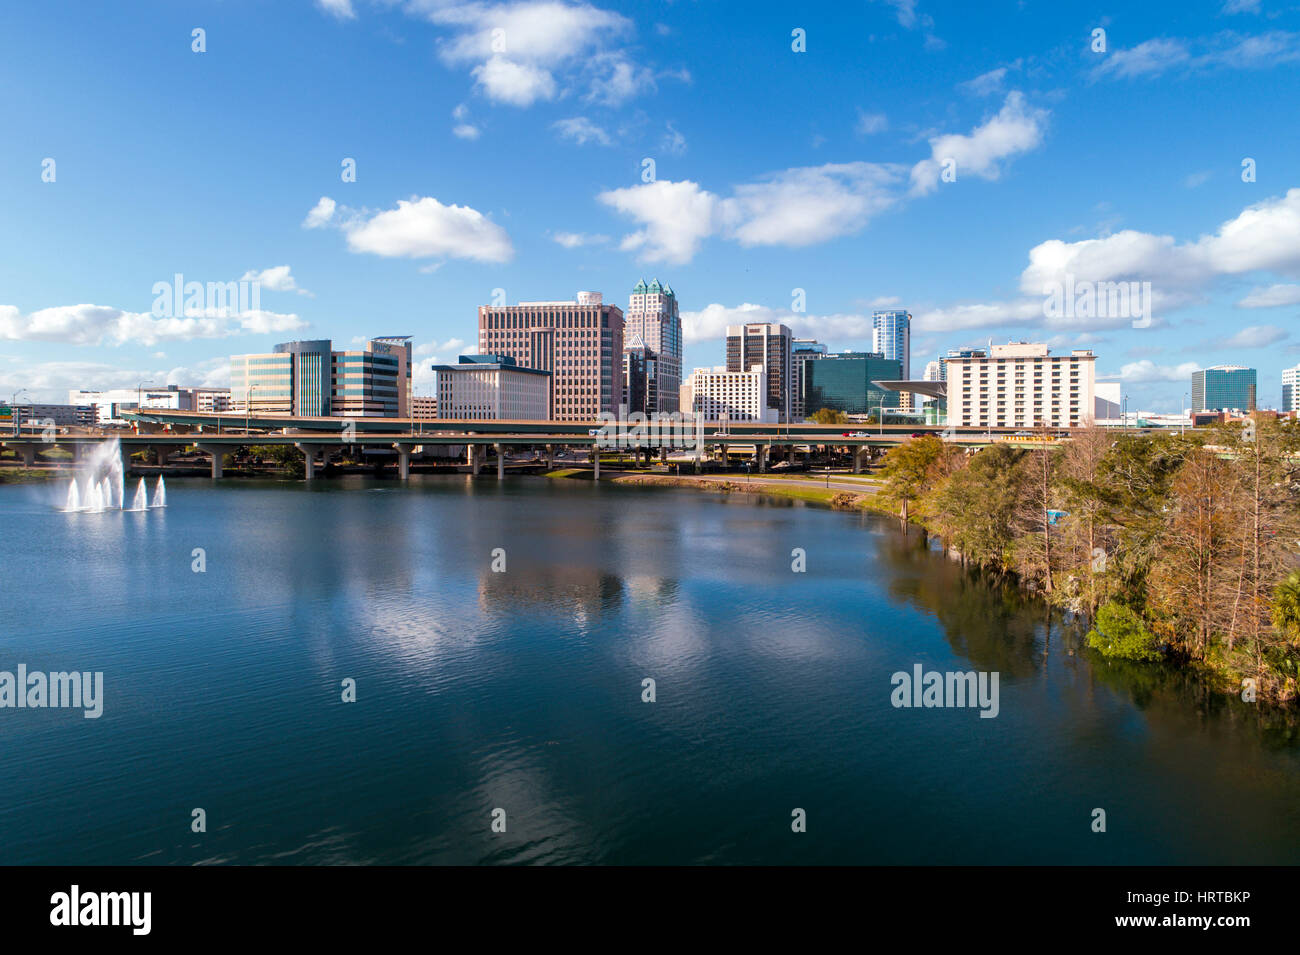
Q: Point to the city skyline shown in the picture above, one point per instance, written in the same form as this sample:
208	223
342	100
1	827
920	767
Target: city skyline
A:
818	200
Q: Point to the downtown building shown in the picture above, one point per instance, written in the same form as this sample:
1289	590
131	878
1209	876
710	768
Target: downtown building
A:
1021	385
847	382
310	379
768	347
492	388
719	394
641	381
579	343
652	317
1291	389
1223	388
109	404
803	350
891	338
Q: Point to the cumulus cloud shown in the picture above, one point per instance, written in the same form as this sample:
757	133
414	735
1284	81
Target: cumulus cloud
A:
575	240
524	52
1017	128
321	214
1255	336
986	84
869	124
463	128
710	323
103	325
423	228
675	218
1147	371
338	8
276	279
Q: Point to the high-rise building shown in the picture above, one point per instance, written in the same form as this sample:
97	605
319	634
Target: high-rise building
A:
1223	388
1021	385
310	379
720	394
579	342
653	317
891	336
957	353
802	350
492	388
768	346
846	382
1291	389
641	384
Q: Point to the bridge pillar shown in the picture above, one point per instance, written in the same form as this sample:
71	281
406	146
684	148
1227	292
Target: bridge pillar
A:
29	455
663	455
763	450
475	458
403	462
501	462
218	454
857	459
725	460
162	451
550	457
309	453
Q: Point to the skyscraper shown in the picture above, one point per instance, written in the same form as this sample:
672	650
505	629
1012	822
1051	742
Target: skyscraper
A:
891	336
768	346
652	316
1291	389
579	342
309	378
1223	388
802	350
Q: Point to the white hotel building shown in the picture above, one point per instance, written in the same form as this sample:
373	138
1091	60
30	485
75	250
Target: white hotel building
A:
719	394
1021	385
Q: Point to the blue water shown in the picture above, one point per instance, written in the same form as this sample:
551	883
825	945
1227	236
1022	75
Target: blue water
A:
522	690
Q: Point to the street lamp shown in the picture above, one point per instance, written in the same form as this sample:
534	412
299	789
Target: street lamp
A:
139	402
1184	416
248	407
13	410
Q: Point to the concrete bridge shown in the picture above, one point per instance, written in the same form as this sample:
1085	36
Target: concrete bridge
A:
215	435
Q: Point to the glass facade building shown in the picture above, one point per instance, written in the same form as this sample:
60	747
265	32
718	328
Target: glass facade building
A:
844	382
1223	388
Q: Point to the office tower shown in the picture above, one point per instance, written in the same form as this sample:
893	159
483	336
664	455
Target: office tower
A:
641	384
310	379
957	353
1021	385
802	350
1291	389
720	394
767	346
492	388
579	342
652	316
1223	388
846	382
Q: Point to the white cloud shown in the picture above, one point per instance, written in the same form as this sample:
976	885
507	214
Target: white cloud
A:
1147	371
103	325
276	279
869	124
574	240
673	142
1271	296
1255	336
1149	58
811	204
518	84
675	218
423	228
1017	128
463	129
581	130
1241	6
516	50
1227	50
321	213
338	8
986	84
710	323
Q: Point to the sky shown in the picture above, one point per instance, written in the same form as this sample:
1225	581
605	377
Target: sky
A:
383	167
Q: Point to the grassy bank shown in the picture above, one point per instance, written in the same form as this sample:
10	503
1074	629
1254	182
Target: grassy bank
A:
839	500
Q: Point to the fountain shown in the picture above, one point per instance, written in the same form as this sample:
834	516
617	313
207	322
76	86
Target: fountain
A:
141	501
74	497
100	481
159	492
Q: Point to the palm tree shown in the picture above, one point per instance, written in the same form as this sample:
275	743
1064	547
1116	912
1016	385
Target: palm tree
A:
1286	607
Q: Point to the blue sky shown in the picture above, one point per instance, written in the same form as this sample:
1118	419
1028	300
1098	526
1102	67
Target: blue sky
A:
503	146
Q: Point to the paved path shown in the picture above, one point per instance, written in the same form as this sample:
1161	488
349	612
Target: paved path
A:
809	482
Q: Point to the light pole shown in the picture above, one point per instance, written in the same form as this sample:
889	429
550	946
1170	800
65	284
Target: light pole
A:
139	402
248	407
13	410
1184	416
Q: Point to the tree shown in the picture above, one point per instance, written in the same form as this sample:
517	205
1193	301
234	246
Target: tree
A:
1119	632
974	506
828	416
1085	538
1033	515
908	471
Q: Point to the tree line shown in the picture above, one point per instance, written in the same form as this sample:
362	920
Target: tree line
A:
1178	547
